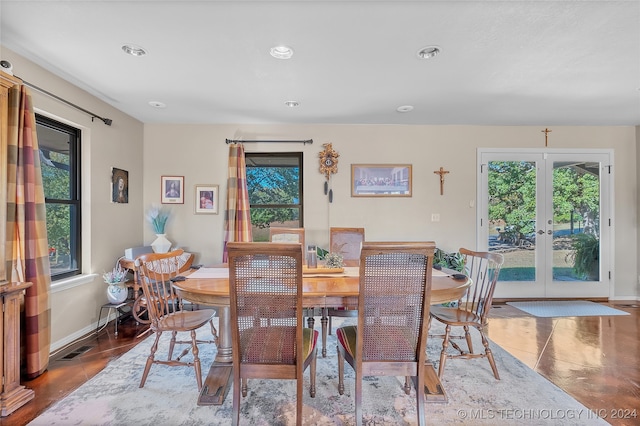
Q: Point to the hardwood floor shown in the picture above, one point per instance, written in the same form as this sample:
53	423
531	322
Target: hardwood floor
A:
594	359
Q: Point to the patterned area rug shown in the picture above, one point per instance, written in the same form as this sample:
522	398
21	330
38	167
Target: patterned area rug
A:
565	308
170	393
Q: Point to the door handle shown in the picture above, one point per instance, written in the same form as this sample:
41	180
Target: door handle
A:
550	232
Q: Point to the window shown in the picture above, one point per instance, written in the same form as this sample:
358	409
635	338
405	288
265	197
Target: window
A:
60	162
274	181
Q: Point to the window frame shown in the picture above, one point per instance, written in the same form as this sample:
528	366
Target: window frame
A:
75	192
300	205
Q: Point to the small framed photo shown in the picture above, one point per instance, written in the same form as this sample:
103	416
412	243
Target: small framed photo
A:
172	188
381	180
119	186
206	201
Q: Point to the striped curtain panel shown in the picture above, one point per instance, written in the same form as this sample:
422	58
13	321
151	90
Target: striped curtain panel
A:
237	216
27	246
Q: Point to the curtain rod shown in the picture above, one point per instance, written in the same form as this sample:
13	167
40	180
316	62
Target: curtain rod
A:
106	121
308	141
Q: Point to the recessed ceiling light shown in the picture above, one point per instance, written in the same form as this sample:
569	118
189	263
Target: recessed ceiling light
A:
281	52
292	104
428	52
157	104
404	108
134	50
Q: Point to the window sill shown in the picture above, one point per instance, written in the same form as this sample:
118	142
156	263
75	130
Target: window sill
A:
66	284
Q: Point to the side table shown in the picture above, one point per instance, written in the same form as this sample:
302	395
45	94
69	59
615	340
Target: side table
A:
117	308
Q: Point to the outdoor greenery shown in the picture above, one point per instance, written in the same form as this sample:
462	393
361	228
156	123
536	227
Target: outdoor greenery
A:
55	181
576	199
448	260
585	256
272	193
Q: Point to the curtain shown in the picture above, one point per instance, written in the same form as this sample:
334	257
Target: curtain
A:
27	246
237	216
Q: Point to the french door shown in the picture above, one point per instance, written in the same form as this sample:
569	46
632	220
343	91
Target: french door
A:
549	213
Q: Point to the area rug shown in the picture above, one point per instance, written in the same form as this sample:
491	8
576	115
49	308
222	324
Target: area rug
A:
170	393
566	308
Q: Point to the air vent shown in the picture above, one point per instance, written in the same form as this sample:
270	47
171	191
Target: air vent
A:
79	351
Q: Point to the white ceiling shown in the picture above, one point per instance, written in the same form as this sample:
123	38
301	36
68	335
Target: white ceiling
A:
502	62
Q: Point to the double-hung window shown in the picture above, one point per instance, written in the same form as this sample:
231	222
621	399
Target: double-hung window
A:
60	163
274	182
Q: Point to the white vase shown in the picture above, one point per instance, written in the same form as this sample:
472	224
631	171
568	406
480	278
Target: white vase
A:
117	293
161	244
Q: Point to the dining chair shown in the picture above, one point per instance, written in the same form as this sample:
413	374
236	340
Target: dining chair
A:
348	243
472	309
393	311
269	339
165	311
289	235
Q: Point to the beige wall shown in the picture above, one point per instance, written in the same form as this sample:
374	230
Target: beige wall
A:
199	153
110	227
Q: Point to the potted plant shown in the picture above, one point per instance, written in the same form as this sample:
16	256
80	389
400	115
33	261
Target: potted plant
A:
117	291
585	256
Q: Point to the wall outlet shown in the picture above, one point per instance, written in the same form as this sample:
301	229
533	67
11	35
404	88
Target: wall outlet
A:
435	217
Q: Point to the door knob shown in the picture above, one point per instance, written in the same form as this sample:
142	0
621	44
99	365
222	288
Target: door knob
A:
540	232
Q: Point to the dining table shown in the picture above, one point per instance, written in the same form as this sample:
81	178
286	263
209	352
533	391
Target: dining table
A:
321	289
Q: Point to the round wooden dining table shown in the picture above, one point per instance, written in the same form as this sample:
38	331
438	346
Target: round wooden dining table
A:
319	291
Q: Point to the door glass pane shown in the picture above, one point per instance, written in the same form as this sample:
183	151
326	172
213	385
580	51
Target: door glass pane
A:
576	221
512	217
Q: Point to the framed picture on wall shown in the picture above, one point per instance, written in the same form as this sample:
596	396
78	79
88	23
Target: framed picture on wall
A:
381	180
172	188
119	186
206	201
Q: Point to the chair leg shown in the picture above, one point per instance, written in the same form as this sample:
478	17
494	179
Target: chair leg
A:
299	397
196	359
312	372
150	359
245	387
329	330
489	354
467	336
340	373
443	354
420	385
358	400
214	332
172	344
324	321
407	385
235	418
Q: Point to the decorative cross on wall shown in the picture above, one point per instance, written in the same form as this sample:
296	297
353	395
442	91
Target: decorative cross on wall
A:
441	172
546	136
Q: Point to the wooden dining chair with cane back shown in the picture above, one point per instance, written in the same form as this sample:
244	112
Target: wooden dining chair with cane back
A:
268	334
156	272
289	235
393	314
347	242
472	309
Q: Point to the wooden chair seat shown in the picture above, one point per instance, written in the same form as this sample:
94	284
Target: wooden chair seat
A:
185	320
454	316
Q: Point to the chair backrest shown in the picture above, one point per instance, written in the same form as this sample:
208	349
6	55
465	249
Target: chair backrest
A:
394	300
483	268
155	271
347	242
265	286
289	235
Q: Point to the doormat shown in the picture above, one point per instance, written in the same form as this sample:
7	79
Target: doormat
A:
566	308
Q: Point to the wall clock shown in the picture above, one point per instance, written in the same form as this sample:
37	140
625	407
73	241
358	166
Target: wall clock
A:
328	166
328	160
